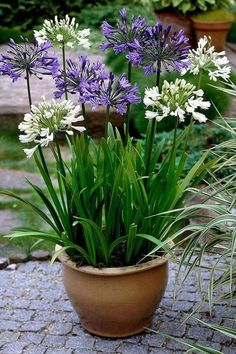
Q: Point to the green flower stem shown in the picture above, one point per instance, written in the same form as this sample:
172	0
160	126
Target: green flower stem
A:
152	128
127	118
107	120
85	119
28	88
64	67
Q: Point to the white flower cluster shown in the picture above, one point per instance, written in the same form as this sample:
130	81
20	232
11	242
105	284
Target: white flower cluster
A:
178	99
205	59
43	122
63	31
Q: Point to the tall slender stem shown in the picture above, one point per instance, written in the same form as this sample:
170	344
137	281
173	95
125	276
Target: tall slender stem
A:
28	88
64	67
152	128
85	119
127	118
107	120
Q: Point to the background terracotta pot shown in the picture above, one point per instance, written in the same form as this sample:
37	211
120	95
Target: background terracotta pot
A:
216	30
115	302
178	22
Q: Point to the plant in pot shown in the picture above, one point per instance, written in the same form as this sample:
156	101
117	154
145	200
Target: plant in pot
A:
215	23
178	13
113	212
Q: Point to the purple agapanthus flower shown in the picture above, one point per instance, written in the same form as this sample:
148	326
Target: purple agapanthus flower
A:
125	35
161	48
79	75
114	92
27	57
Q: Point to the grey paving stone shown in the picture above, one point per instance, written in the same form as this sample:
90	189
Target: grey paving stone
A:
53	341
22	315
19	304
182	306
83	341
198	332
174	328
59	351
13	348
9	325
129	348
8	336
33	326
86	351
229	349
210	344
225	312
153	340
60	328
35	349
107	345
30	337
174	345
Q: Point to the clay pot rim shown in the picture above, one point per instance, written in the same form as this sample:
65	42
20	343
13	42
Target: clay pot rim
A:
114	271
216	23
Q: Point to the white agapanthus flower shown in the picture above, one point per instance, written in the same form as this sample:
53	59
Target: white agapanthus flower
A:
206	59
178	99
43	122
63	31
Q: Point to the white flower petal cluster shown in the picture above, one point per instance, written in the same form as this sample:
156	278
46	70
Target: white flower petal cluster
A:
178	99
43	122
63	31
205	59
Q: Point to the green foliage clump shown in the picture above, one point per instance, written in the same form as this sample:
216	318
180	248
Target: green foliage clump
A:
20	17
218	15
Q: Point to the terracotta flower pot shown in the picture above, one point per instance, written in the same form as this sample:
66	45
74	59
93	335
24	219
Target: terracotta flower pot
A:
178	22
216	30
115	302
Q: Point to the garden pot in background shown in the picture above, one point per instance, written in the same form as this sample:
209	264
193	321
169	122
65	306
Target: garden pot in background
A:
178	22
218	32
115	302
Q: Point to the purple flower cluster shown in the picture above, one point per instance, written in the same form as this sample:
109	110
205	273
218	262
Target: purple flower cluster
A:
114	92
78	76
125	36
28	58
150	47
161	48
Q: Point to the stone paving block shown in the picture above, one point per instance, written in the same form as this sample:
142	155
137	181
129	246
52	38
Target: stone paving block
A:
61	329
33	326
9	325
86	351
35	349
30	337
174	345
182	306
22	315
197	332
153	340
108	345
229	349
176	328
210	344
83	341
53	341
13	348
129	348
225	312
19	304
59	351
8	336
161	351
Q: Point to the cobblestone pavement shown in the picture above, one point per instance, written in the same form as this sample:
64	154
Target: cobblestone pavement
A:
36	318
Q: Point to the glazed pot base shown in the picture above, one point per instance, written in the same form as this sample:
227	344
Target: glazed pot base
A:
115	302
